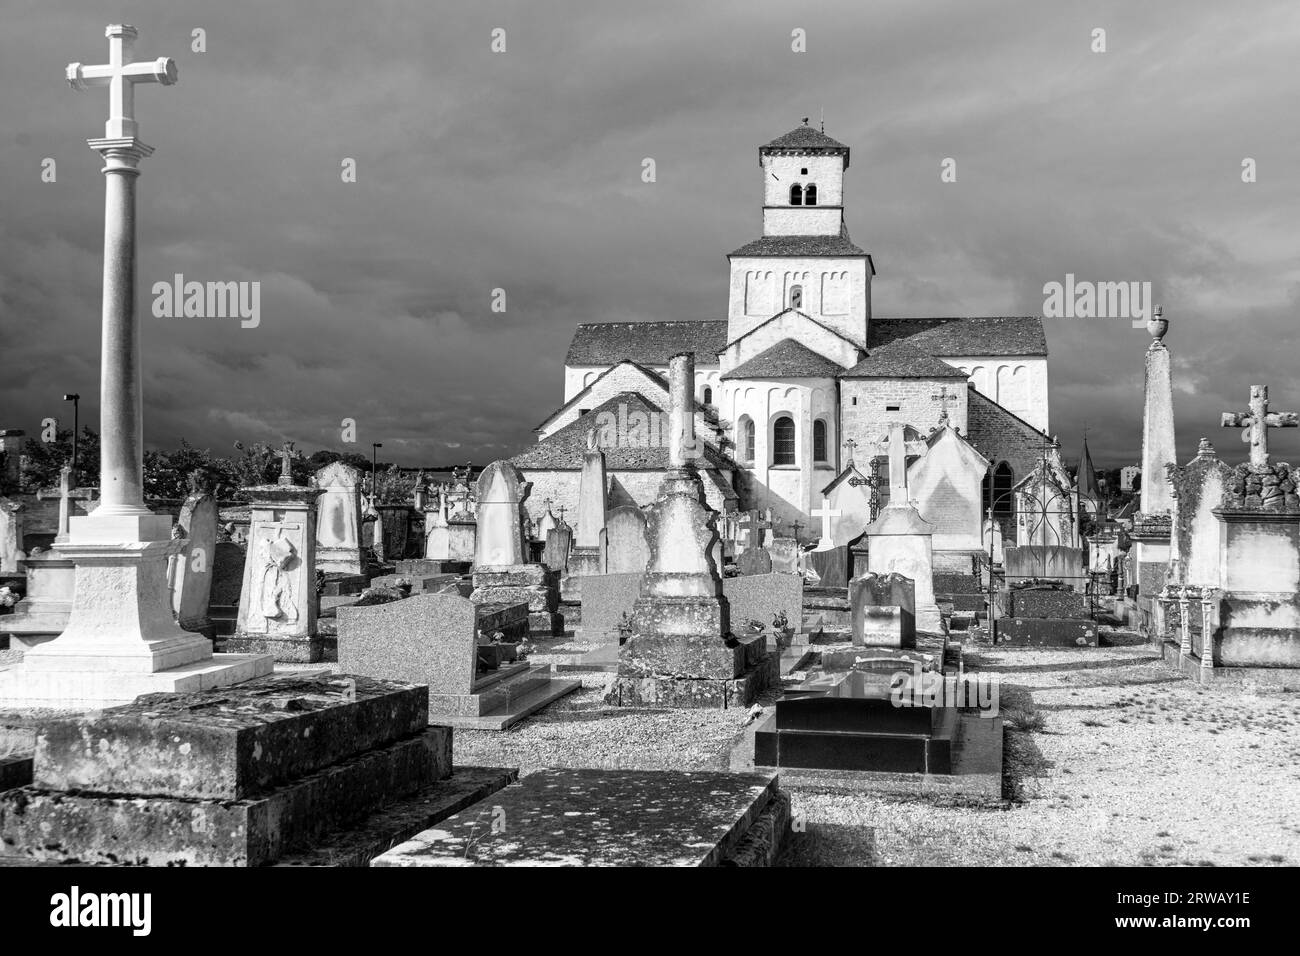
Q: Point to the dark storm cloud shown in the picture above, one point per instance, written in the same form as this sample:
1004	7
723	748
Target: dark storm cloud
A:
522	171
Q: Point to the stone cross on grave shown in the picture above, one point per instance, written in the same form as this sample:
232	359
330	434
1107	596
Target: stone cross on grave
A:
898	448
826	513
286	473
747	521
850	444
65	501
560	509
1257	422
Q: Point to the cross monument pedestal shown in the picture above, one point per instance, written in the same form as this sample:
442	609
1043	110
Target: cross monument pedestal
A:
121	640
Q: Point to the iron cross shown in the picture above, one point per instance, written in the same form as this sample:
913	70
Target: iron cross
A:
120	75
1257	422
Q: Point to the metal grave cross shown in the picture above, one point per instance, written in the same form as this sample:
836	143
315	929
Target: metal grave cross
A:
120	75
1257	422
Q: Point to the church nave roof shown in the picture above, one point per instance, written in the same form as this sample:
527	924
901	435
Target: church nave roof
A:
787	359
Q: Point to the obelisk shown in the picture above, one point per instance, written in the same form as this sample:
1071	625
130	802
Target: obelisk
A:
121	640
1154	520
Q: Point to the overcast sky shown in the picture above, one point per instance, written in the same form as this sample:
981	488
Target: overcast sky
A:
522	171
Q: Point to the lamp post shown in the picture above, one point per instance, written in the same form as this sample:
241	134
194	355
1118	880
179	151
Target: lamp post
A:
374	472
75	399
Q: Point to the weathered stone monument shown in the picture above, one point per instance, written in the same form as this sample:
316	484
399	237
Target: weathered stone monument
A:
593	489
502	573
681	652
121	640
192	566
900	540
1152	524
338	519
277	602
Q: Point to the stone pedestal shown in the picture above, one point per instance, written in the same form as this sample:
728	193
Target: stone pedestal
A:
900	542
121	640
277	602
1151	549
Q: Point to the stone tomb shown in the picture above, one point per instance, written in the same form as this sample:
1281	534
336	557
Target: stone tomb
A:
43	612
861	723
884	610
1047	615
233	777
612	818
433	639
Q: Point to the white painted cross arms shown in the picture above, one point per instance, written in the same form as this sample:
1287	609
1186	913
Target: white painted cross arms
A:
1257	422
826	513
120	75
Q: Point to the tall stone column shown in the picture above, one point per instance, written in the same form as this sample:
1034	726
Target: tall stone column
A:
121	640
681	410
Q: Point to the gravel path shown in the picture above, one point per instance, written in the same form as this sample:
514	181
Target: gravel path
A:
1112	759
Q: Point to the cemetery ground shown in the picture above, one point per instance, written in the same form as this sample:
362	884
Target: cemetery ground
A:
1110	759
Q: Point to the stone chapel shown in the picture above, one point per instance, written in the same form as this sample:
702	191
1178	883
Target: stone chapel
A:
800	378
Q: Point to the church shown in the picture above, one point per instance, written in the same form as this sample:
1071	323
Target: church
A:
798	386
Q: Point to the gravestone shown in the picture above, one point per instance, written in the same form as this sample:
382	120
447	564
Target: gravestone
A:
626	550
338	519
277	600
227	581
754	560
462	538
1049	562
11	536
762	597
433	639
832	566
501	573
395	526
884	610
586	557
559	542
785	555
194	564
606	603
437	533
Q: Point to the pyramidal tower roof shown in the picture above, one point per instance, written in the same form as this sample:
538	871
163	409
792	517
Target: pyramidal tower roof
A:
805	139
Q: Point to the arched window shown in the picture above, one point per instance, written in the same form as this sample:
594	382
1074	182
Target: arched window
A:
997	491
796	297
745	439
796	195
708	395
810	195
819	440
783	441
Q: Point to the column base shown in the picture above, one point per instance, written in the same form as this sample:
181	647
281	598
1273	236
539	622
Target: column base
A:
21	687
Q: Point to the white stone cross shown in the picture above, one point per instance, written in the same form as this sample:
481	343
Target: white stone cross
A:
65	501
120	75
1258	421
826	513
898	448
